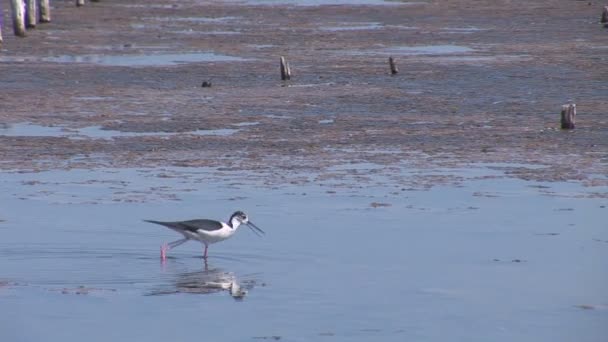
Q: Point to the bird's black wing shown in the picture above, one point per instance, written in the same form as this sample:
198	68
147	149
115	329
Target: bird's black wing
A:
202	224
192	225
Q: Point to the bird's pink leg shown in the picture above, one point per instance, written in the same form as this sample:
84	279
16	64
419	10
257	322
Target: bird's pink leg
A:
167	246
205	254
163	252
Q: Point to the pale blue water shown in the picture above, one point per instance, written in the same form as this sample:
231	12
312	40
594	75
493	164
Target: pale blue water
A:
26	129
437	265
131	60
144	60
430	49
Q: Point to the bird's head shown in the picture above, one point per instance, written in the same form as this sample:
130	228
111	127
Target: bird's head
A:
239	218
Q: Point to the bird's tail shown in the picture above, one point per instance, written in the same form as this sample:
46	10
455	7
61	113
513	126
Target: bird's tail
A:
157	222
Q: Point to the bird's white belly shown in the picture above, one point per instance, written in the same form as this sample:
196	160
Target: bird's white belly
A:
211	236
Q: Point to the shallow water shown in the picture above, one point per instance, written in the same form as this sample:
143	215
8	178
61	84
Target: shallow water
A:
98	132
134	60
461	30
354	27
26	129
435	51
32	130
491	259
430	49
196	19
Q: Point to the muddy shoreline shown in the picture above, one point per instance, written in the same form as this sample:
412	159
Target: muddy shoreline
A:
480	82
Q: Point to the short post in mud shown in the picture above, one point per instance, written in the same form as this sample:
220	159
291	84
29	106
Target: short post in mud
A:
568	116
393	66
45	11
79	3
604	19
18	9
31	15
285	70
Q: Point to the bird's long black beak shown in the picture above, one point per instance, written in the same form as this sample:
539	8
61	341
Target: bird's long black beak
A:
255	229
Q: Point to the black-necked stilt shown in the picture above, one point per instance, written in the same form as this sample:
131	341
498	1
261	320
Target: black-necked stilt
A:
205	231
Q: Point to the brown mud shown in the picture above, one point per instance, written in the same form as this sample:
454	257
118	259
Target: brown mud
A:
479	82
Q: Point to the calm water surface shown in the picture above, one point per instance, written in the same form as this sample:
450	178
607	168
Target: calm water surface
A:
490	260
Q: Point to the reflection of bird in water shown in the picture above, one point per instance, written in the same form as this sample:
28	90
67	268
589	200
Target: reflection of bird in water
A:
209	281
236	291
206	231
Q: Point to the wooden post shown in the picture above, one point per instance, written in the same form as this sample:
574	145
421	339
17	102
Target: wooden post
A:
79	3
568	116
31	16
285	70
45	11
393	66
605	15
18	17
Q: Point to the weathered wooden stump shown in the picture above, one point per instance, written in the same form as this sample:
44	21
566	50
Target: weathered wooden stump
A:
31	15
18	17
79	3
45	11
568	116
604	19
393	66
285	70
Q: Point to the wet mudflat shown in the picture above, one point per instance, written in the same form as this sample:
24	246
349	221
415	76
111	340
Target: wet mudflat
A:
442	203
479	82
